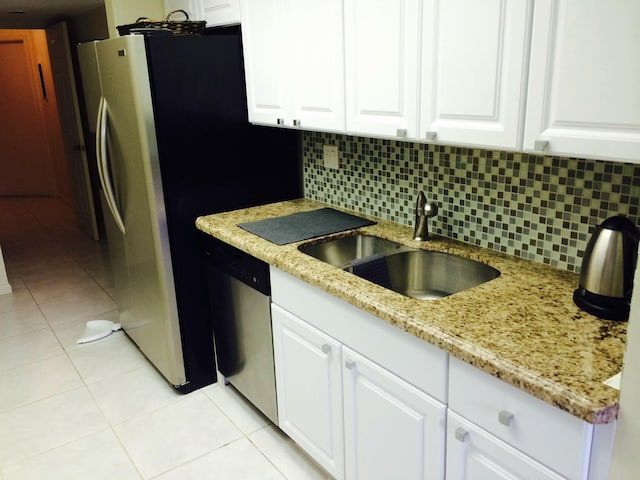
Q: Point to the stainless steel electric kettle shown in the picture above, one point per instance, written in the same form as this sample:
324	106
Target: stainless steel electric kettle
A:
608	265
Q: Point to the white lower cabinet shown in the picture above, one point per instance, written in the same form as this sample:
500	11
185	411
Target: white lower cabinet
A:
309	389
355	412
356	419
473	454
392	429
498	431
368	401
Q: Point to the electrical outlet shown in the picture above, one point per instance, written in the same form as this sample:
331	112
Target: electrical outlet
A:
330	156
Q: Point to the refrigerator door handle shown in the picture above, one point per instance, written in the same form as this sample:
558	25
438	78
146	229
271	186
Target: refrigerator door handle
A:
103	167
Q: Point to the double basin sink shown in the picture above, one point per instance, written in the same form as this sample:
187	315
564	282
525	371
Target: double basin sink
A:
421	274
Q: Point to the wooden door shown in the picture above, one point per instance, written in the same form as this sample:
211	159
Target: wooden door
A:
25	167
71	125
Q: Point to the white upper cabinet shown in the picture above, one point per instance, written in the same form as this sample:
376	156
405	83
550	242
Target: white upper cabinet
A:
221	12
317	57
474	71
192	7
382	42
214	12
263	41
294	62
584	87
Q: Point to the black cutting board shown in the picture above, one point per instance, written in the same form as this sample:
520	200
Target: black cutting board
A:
304	225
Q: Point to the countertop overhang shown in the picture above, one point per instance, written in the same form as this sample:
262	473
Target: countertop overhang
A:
521	327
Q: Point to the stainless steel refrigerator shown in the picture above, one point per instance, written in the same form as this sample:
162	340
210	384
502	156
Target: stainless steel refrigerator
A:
173	143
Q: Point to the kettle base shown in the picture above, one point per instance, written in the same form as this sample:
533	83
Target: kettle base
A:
607	308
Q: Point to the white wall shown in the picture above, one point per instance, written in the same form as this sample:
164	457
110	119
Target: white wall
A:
626	461
124	12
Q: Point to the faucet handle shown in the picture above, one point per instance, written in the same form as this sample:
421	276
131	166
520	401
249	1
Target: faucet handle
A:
423	207
424	210
430	209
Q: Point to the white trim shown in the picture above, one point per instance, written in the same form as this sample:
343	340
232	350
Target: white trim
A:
5	288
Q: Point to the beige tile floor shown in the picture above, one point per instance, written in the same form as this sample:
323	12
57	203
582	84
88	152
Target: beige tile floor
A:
99	410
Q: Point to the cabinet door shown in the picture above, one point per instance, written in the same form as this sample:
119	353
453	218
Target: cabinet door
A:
382	57
474	71
192	7
583	91
221	12
473	454
392	430
309	389
264	41
317	64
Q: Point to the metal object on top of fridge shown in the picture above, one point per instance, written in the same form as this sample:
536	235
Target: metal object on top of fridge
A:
174	143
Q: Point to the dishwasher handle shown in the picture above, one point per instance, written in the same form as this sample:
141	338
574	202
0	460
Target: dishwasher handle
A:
240	265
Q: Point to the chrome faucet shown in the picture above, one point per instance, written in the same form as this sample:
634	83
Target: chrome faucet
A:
424	211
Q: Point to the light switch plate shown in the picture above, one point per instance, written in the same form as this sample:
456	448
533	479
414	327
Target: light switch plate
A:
330	156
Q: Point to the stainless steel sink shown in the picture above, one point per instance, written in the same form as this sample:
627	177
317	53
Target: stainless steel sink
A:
421	274
427	275
342	251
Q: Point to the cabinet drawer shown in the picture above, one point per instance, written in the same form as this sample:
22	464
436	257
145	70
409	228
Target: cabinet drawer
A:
553	437
474	454
418	362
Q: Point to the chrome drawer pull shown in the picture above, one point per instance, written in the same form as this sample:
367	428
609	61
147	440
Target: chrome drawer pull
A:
431	136
326	348
461	434
540	145
350	364
505	417
401	132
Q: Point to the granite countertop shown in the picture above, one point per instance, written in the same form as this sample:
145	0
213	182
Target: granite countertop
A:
521	327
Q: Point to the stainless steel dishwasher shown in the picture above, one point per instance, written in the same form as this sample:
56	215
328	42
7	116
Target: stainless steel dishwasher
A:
240	299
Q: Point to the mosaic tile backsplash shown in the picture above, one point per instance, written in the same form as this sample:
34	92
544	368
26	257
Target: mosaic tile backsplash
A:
537	207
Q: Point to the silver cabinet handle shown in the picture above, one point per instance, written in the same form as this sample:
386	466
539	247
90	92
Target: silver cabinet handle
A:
431	135
540	145
505	418
280	121
350	364
296	123
326	348
401	132
461	434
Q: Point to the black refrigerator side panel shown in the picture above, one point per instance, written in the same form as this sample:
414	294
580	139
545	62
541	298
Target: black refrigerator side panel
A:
211	160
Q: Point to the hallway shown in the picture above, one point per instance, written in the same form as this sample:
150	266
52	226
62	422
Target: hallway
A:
99	410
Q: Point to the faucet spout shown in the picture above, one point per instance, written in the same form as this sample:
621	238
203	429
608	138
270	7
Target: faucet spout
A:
424	211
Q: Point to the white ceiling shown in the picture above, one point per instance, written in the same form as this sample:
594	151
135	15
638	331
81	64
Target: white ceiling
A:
41	13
